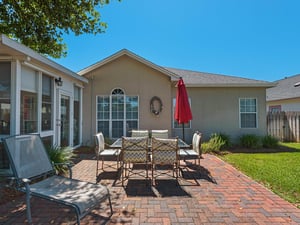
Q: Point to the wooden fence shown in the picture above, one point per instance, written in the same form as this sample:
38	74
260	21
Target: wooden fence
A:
284	125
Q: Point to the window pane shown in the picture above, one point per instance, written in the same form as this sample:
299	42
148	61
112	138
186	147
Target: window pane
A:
248	120
28	79
248	113
76	116
103	126
117	107
47	106
117	129
131	125
5	74
28	112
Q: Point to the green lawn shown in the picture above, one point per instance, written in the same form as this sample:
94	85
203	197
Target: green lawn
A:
278	171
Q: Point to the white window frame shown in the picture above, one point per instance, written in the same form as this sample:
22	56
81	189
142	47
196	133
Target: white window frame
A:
256	112
110	120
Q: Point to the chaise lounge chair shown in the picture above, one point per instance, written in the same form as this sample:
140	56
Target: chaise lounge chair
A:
35	175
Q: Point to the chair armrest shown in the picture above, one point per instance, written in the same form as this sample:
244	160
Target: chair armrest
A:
69	165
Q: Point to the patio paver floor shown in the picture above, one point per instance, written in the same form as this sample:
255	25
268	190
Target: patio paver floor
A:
214	193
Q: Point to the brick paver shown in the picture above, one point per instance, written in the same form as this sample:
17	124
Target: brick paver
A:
215	193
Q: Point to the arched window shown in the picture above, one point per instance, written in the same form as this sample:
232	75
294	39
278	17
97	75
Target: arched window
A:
117	91
117	113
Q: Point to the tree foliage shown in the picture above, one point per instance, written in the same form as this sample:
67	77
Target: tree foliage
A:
40	24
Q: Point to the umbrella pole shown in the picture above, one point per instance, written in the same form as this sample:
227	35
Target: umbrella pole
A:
183	132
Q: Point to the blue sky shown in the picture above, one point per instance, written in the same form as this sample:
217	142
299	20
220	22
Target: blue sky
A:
256	39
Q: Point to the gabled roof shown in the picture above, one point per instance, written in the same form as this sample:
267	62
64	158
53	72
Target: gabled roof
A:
200	79
7	44
131	55
191	78
286	88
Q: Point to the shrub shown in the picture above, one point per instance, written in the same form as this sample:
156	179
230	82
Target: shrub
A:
250	141
60	157
205	147
216	143
269	141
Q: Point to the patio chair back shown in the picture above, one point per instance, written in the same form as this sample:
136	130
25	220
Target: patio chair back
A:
160	134
198	144
139	133
29	157
164	151
135	149
100	143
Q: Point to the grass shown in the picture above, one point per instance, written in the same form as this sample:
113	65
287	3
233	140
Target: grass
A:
278	171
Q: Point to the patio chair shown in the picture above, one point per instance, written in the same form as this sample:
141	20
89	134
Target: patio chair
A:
195	152
164	152
103	153
139	133
160	133
35	175
134	151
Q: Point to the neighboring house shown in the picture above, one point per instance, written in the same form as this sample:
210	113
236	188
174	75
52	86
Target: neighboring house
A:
38	95
123	89
285	96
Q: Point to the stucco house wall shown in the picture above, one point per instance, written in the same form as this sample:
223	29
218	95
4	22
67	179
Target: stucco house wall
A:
216	110
134	78
214	98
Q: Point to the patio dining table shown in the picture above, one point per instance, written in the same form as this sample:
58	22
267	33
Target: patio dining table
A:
118	144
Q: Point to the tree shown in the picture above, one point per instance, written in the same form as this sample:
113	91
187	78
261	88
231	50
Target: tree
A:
40	24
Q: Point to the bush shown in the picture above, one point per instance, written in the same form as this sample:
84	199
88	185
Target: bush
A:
269	141
250	141
61	156
216	143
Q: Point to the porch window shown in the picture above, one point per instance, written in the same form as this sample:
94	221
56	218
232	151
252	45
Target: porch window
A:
248	113
76	116
47	103
117	114
29	109
5	83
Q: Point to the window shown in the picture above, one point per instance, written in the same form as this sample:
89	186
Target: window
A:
175	123
5	83
248	113
29	109
76	116
28	112
47	105
275	108
117	114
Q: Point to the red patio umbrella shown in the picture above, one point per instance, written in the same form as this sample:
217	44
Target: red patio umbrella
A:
183	113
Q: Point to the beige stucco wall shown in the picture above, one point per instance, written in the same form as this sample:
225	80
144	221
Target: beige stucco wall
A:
217	110
134	78
214	109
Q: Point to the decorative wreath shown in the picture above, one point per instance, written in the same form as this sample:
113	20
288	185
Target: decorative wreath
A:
156	105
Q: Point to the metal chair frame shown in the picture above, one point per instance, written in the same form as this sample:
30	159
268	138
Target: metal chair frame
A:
102	153
134	150
35	175
164	152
